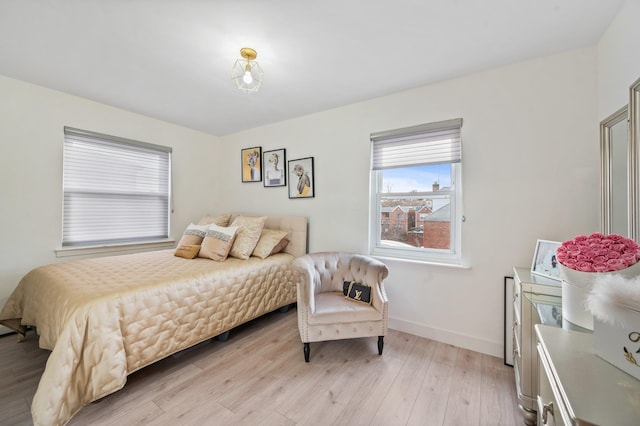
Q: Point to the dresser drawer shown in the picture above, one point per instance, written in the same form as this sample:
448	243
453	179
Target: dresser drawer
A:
552	409
547	404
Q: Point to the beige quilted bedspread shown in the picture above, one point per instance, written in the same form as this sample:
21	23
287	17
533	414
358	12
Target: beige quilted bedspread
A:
105	318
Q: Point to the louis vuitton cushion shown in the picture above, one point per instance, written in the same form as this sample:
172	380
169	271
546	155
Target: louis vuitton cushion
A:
357	292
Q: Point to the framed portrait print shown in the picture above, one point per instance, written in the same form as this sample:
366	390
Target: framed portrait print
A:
275	167
545	262
301	181
252	164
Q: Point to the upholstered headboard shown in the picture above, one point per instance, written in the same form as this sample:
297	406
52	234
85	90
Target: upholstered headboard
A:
297	227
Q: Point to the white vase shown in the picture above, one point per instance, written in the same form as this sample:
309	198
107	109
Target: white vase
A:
574	309
576	287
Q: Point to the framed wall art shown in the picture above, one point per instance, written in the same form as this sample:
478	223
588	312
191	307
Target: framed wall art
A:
301	182
545	262
251	164
275	167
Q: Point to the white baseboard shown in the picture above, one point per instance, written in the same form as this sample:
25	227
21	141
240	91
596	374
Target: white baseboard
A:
446	336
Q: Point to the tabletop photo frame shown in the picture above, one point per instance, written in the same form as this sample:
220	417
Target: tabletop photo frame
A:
545	261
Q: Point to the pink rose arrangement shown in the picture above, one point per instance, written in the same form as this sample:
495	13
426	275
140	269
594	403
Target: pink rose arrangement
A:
598	253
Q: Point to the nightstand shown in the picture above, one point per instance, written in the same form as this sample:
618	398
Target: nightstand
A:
534	298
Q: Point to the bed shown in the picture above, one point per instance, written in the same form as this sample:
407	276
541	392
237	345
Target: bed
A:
105	318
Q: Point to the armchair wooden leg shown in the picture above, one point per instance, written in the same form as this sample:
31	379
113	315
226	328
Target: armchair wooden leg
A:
307	350
380	344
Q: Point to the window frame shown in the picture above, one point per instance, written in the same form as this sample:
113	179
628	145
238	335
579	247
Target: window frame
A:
451	257
100	244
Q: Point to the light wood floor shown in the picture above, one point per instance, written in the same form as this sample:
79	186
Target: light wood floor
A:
259	377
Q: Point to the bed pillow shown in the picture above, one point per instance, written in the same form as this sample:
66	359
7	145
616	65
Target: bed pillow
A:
248	235
220	220
193	235
218	241
188	251
280	246
269	239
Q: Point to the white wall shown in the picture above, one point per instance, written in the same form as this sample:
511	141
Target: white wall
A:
618	60
530	155
31	139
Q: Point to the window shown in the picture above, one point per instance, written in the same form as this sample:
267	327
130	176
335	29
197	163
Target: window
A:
416	172
116	190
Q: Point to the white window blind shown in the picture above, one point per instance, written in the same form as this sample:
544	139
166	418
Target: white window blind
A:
433	143
115	190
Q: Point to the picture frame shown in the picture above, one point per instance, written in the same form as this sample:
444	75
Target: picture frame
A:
275	167
545	262
302	182
251	164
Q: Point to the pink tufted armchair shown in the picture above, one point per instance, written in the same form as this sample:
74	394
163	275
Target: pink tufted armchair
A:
323	311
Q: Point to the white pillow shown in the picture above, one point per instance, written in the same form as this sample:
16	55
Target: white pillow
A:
217	242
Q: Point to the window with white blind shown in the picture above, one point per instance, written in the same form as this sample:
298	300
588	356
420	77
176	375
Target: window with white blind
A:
116	191
416	187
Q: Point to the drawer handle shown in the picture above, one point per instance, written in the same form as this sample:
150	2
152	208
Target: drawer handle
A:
547	409
515	353
515	296
515	324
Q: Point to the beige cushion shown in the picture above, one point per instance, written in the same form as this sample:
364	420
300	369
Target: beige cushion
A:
280	246
269	239
193	235
188	251
333	308
218	241
220	220
250	229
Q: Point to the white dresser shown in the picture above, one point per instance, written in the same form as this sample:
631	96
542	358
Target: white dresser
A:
534	297
579	388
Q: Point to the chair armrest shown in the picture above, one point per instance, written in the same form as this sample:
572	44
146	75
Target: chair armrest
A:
305	275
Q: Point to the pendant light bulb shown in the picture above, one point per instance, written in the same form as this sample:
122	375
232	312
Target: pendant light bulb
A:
247	77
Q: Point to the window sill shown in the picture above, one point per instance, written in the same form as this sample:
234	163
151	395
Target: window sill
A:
423	262
115	248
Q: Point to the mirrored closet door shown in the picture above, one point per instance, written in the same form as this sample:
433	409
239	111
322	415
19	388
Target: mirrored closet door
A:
634	140
615	173
619	179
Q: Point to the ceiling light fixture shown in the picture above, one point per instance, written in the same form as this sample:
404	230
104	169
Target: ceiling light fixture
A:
246	72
